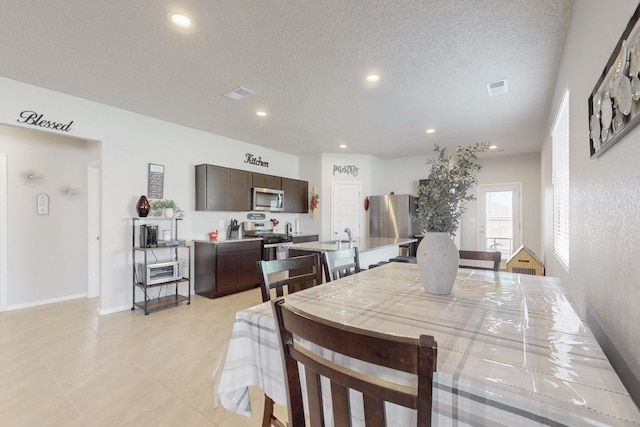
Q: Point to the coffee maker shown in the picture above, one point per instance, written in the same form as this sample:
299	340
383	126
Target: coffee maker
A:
148	236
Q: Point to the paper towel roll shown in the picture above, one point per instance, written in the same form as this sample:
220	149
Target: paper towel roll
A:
296	225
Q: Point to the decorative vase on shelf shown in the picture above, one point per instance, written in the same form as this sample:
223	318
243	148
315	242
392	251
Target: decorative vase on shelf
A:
438	258
168	212
143	207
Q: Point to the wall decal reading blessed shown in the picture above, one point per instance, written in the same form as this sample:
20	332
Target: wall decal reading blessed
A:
347	169
253	160
34	119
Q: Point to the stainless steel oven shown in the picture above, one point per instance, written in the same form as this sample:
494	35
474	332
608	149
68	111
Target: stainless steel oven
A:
274	245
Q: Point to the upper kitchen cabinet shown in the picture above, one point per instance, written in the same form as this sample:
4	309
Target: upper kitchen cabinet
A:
222	189
267	181
296	195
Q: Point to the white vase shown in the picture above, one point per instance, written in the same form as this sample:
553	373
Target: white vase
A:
438	260
168	212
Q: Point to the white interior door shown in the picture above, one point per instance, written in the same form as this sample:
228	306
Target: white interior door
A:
345	209
500	219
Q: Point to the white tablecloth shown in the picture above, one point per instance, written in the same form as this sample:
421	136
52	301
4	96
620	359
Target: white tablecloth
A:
511	349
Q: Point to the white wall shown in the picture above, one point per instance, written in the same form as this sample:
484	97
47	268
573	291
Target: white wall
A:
604	195
311	171
370	173
403	174
523	169
47	256
129	142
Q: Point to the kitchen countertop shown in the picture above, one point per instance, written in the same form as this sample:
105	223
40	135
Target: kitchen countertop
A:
301	234
363	244
223	239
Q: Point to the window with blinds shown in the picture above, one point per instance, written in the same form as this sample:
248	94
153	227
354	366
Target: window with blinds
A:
560	181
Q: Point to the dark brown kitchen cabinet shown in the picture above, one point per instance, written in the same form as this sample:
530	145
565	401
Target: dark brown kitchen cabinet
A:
267	181
239	198
296	195
222	189
226	268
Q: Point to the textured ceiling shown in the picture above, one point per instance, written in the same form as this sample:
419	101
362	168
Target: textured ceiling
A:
306	61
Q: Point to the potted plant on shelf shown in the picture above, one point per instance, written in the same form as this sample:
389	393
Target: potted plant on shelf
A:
440	204
167	207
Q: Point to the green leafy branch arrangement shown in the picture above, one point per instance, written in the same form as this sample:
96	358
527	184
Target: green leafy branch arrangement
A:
441	201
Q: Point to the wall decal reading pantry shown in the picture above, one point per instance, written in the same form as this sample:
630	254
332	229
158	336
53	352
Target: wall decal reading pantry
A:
346	169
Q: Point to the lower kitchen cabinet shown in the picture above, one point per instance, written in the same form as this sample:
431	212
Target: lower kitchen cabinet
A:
226	268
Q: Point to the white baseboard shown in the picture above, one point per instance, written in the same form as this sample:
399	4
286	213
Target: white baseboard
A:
102	312
45	301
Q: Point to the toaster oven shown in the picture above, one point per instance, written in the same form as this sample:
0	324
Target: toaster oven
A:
161	272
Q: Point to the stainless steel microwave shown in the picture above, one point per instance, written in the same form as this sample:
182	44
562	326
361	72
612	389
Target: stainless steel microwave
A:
267	199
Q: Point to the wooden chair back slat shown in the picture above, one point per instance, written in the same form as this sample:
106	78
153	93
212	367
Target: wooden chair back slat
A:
493	256
340	263
303	272
414	356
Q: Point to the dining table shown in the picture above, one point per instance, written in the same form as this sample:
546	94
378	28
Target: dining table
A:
512	348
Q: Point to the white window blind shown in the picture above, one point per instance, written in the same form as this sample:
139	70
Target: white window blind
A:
560	180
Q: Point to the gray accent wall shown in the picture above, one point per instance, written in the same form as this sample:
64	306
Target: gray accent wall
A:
604	196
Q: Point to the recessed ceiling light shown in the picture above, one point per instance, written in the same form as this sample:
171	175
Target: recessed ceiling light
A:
261	113
493	147
373	78
430	131
343	145
181	20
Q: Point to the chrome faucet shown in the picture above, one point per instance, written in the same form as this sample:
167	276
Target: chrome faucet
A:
348	231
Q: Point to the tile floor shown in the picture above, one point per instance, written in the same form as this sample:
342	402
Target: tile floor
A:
62	365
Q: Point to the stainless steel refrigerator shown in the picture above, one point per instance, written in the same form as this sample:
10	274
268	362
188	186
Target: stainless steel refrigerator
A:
393	216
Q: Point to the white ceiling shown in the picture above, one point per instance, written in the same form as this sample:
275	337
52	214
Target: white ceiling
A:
306	61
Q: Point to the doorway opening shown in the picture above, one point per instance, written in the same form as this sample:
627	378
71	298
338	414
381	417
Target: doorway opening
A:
93	232
3	231
500	218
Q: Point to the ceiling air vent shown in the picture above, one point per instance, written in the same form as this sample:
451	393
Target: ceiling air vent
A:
498	87
239	93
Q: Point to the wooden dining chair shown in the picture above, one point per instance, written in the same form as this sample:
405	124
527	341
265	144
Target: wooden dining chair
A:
340	263
299	273
416	356
478	257
295	274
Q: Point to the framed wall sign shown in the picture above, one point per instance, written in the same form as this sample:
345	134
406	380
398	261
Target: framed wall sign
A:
614	104
42	204
156	181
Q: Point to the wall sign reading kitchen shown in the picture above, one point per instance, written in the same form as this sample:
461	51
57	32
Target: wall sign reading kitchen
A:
32	118
346	169
253	160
